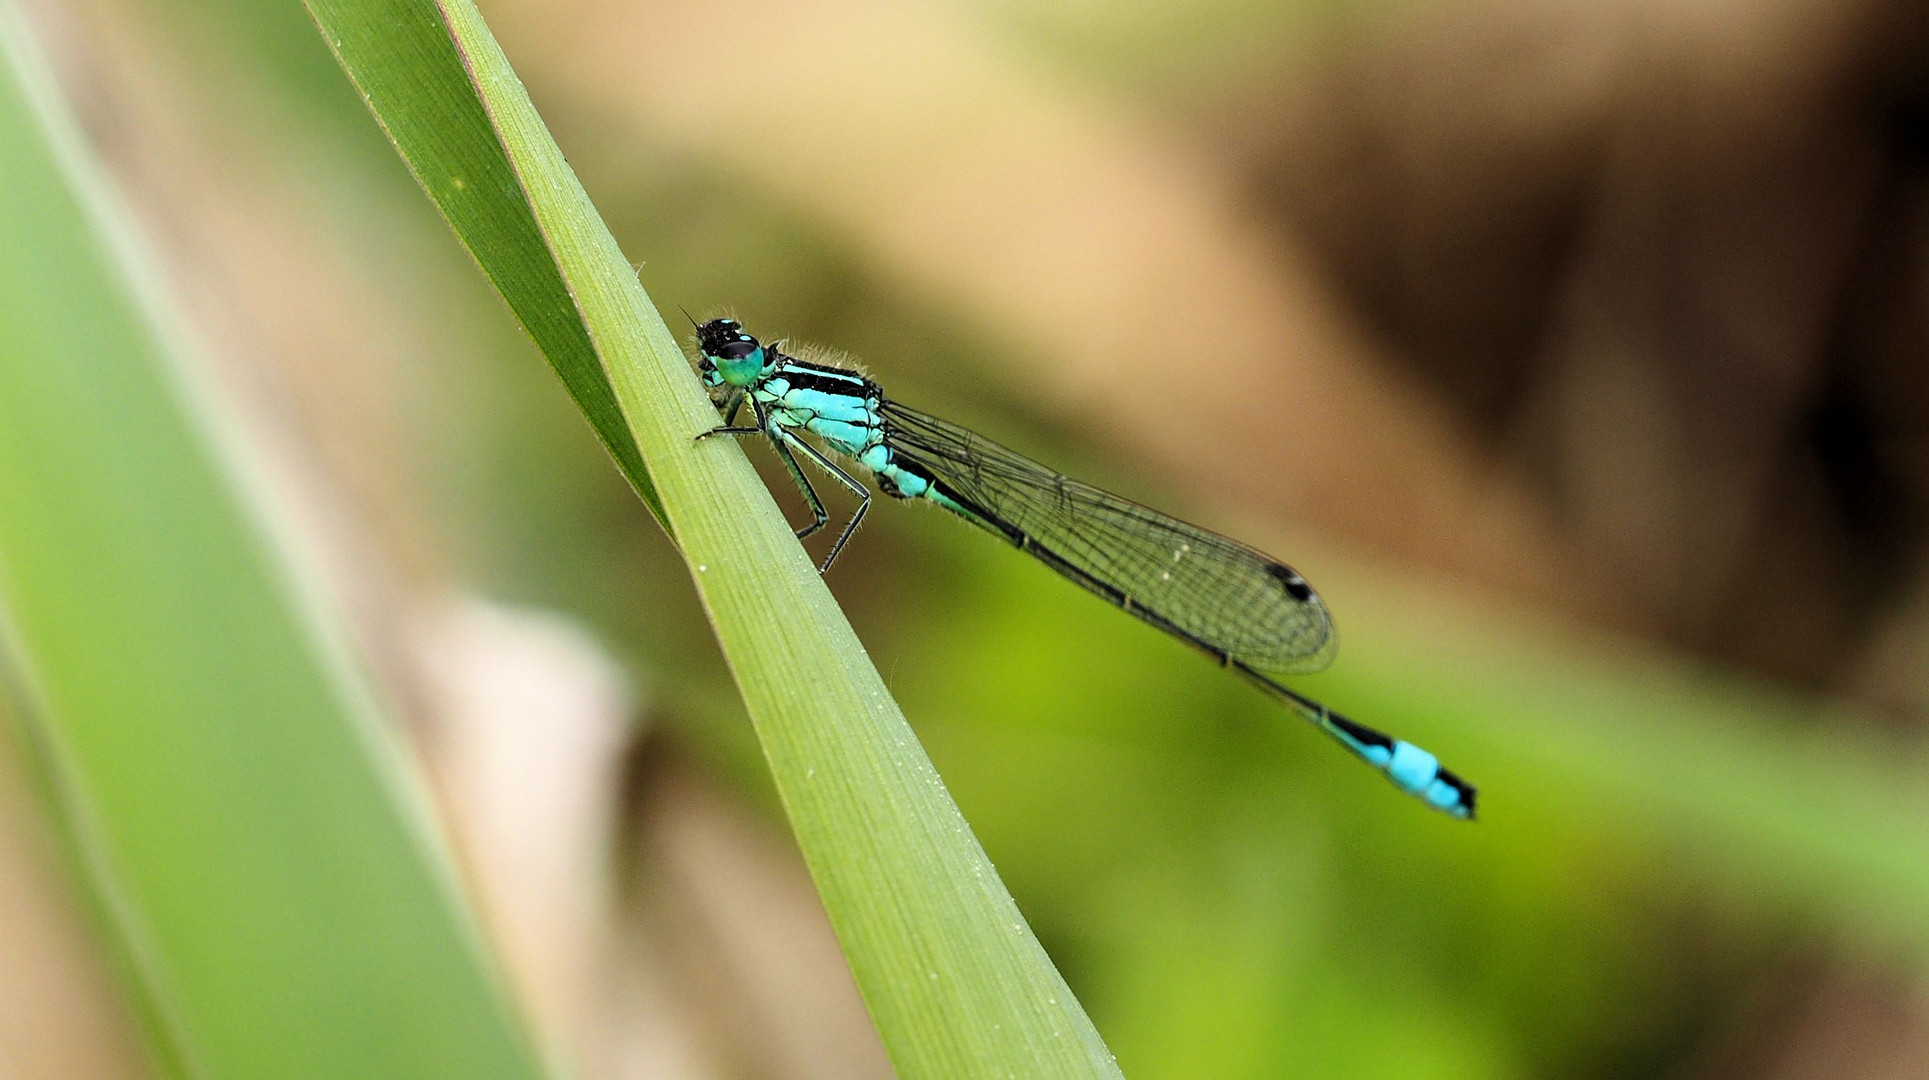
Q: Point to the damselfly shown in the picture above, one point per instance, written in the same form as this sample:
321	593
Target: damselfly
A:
1243	608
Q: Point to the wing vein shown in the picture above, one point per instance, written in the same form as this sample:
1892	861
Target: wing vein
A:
1229	599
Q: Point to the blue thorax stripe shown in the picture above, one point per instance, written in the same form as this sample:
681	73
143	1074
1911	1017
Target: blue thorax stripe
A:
826	380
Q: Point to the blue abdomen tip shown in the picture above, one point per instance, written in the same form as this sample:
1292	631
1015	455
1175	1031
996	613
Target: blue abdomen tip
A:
1411	767
1418	772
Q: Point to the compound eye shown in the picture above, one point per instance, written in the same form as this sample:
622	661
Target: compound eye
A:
737	350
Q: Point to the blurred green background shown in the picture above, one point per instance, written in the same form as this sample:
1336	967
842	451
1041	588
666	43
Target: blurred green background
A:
1572	350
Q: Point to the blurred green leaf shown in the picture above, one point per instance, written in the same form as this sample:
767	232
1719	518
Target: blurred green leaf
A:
1658	831
1786	798
224	780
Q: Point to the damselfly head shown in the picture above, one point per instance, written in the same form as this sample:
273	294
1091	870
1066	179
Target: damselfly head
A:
728	354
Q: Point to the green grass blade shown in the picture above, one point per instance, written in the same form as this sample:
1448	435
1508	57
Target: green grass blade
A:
407	69
221	775
956	982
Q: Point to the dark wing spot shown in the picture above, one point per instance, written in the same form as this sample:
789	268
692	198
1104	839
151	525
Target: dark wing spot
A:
1294	585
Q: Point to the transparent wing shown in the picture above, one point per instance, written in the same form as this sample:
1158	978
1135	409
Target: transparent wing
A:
1225	597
